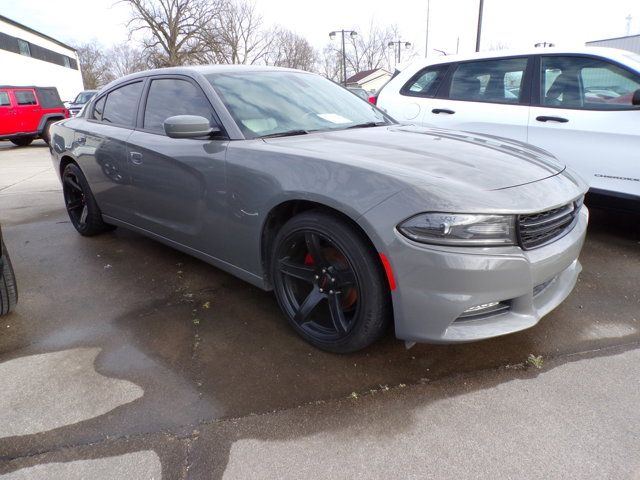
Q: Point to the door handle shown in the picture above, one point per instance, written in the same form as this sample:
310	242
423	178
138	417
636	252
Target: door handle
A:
442	110
552	119
136	158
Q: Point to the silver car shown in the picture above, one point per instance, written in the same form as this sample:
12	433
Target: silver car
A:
294	184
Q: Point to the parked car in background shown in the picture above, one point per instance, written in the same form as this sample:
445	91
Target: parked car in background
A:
80	101
27	113
582	105
290	182
8	287
361	92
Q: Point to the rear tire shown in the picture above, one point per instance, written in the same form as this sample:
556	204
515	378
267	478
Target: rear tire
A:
22	141
8	288
329	282
81	205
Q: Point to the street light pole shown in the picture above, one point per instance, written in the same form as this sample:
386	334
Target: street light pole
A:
399	43
352	34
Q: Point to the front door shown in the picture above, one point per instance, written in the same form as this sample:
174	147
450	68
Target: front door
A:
27	109
585	118
179	184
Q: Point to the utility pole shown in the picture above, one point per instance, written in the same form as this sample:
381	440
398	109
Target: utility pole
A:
426	42
479	31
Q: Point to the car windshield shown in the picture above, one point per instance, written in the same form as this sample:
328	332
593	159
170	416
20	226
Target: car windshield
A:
278	103
84	97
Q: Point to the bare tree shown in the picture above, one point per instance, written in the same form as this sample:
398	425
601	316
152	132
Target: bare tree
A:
290	50
94	65
124	59
174	27
330	63
236	35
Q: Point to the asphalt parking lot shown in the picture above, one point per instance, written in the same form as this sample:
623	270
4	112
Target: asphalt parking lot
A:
124	355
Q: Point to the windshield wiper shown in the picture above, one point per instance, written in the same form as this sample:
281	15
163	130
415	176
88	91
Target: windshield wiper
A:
368	124
287	133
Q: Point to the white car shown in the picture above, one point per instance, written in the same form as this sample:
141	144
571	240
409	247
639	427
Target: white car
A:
582	105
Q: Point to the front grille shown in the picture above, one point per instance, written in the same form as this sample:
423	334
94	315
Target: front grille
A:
539	229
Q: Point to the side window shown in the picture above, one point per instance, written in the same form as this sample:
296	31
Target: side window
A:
122	105
25	97
98	109
425	83
586	83
4	99
168	97
495	81
23	48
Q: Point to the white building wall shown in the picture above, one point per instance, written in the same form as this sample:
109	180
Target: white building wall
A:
18	69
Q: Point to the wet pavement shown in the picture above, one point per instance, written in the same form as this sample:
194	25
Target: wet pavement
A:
121	345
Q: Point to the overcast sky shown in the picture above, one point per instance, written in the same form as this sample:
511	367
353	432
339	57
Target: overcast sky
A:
514	23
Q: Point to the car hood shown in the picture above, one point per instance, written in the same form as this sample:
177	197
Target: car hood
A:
420	156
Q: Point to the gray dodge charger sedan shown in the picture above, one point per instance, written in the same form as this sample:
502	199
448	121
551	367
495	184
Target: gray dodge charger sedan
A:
294	184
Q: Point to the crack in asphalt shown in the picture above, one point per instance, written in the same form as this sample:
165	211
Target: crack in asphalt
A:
194	427
24	180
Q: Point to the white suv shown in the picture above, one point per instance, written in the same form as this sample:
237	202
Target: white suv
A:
582	105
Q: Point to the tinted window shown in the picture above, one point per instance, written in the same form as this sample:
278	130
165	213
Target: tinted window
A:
168	97
25	97
497	81
589	83
426	82
98	109
4	99
122	105
23	48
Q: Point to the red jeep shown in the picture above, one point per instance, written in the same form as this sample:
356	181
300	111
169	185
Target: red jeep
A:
27	113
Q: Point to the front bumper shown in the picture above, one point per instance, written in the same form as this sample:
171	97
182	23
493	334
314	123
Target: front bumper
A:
436	285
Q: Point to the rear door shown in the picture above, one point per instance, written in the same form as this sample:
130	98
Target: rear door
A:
178	183
101	149
27	109
7	114
583	115
488	96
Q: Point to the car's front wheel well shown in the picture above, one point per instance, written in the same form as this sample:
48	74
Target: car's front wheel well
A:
280	214
64	161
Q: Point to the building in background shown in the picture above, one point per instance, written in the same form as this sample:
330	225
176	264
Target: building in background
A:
28	57
370	80
630	43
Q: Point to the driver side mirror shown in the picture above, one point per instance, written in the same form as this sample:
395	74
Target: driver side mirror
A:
635	100
188	126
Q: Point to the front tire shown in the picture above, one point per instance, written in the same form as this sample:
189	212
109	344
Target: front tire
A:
81	205
8	287
329	283
22	141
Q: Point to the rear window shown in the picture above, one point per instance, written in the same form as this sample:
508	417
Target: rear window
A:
25	97
122	105
4	99
49	98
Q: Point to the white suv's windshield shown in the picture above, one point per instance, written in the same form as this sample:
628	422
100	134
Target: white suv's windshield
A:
278	103
84	97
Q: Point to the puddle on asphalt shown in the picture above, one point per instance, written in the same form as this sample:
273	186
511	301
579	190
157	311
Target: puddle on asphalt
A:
51	390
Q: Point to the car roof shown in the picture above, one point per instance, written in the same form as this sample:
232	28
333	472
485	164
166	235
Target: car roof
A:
204	70
607	52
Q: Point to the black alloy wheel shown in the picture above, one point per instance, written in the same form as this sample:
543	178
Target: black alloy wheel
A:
81	207
329	283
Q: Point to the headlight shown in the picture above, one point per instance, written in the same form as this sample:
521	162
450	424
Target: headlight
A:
460	229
